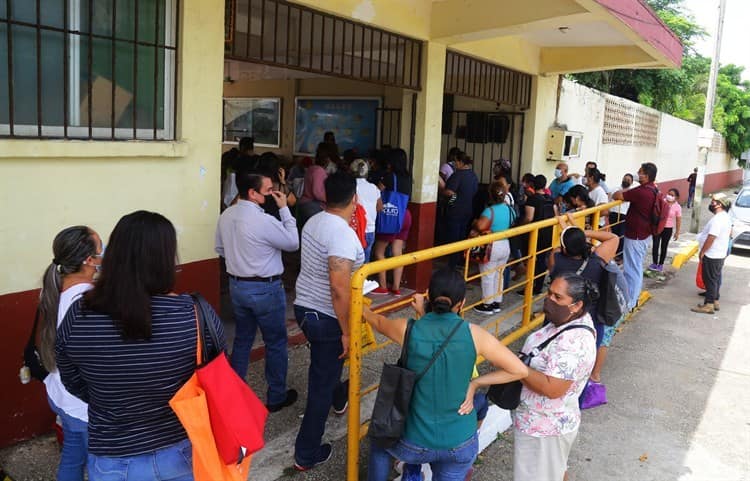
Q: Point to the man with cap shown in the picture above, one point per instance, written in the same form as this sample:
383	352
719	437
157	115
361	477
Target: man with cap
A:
714	248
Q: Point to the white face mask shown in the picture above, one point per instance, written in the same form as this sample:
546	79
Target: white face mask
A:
670	198
558	173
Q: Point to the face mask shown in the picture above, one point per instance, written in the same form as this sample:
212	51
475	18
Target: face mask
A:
555	313
712	208
670	198
625	185
558	173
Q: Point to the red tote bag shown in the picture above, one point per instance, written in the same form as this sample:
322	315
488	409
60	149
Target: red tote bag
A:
699	276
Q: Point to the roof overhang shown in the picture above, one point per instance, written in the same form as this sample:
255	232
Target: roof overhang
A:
557	36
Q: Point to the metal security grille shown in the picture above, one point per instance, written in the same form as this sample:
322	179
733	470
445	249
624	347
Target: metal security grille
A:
470	77
90	69
275	32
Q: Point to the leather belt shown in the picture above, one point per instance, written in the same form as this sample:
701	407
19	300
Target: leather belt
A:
255	278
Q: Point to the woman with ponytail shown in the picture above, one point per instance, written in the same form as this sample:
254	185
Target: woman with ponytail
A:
451	449
546	422
77	256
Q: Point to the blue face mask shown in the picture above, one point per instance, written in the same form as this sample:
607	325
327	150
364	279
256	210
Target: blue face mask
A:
558	173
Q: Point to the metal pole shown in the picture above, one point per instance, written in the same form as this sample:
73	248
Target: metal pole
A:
704	144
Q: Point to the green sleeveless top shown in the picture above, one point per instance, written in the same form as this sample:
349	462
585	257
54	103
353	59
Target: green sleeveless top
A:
433	421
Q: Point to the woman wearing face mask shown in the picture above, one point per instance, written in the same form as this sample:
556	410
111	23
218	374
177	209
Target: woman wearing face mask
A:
443	396
545	424
673	224
77	256
575	250
597	193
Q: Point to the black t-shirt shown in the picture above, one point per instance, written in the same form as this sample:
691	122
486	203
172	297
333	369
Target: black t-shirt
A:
544	208
593	271
465	184
403	183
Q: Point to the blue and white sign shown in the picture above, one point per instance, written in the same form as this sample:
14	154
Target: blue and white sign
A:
354	121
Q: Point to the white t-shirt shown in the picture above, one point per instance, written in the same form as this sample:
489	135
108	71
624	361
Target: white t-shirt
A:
719	226
368	195
60	396
599	196
324	235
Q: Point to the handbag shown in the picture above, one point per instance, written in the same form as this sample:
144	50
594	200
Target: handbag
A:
699	276
508	395
222	416
31	357
394	394
594	394
391	218
481	254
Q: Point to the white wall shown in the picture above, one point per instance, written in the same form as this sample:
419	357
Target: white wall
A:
582	109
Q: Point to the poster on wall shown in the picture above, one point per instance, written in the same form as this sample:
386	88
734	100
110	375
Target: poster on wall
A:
354	121
259	118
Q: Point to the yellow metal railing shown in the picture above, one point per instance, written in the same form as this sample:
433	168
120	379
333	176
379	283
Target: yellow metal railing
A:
358	347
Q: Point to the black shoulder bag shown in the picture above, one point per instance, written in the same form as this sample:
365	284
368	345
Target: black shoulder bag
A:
395	392
31	357
508	395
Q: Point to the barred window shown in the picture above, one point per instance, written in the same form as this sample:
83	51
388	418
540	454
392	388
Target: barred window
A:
88	69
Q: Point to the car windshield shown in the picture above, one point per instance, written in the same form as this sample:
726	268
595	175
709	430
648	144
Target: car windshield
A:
743	199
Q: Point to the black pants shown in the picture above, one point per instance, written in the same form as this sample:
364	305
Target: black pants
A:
618	230
661	242
712	277
541	266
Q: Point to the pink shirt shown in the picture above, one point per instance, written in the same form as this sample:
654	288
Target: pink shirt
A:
314	184
675	211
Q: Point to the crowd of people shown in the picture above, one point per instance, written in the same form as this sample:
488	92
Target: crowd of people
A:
118	340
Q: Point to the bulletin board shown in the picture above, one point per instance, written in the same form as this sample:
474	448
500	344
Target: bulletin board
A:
354	121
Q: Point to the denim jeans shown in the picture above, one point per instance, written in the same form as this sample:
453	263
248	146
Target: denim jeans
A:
323	380
173	463
75	446
370	239
633	253
261	305
446	464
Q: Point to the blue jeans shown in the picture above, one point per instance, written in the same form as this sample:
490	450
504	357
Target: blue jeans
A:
370	239
446	464
75	446
633	253
173	463
323	380
261	305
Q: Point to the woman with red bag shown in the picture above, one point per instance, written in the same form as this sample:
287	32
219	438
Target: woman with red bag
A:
126	348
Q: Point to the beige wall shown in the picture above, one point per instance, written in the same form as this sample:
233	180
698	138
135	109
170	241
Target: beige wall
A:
46	185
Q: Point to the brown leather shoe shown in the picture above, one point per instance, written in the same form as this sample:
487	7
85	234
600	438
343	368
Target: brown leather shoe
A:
704	308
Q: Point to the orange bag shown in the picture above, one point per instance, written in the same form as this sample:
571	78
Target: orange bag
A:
699	276
191	407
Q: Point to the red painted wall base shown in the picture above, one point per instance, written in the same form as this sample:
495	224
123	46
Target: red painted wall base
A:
713	183
24	411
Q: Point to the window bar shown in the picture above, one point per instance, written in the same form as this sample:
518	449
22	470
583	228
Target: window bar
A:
461	75
380	56
288	33
372	51
113	66
401	51
66	59
11	112
322	41
343	47
351	50
455	74
388	61
299	37
156	67
176	66
491	82
135	73
262	26
90	62
312	38
248	35
38	71
333	44
419	64
275	29
362	53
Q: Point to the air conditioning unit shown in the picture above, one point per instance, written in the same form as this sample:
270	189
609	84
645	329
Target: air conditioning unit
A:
563	145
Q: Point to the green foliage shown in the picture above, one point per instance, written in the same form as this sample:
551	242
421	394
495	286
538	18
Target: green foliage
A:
682	92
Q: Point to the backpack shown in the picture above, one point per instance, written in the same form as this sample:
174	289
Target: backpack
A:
659	213
613	301
547	211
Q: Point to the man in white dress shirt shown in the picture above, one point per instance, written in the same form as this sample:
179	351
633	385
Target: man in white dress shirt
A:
251	241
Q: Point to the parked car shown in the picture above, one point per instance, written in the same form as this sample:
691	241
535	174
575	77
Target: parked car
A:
740	214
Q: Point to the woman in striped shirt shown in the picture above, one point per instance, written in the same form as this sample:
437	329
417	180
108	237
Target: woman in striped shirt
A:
126	348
